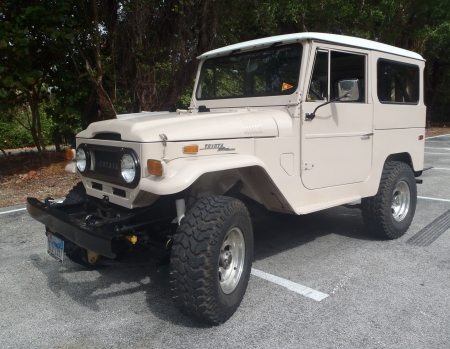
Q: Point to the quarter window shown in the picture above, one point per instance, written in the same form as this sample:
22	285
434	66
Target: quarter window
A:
397	82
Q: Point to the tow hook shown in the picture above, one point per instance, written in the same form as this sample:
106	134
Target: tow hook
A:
92	257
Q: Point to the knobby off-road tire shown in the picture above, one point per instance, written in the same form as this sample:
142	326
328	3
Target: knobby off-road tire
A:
389	213
211	259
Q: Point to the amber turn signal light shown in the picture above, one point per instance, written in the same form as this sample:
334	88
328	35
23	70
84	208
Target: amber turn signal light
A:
70	154
190	149
155	167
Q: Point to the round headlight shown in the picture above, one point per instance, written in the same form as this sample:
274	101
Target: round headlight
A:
81	159
128	168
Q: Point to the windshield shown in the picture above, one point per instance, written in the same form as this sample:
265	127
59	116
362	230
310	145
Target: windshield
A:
273	71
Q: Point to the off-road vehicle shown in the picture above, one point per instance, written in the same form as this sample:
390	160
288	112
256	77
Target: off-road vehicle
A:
298	123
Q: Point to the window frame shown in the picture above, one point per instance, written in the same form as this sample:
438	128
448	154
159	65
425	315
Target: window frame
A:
404	64
294	89
329	50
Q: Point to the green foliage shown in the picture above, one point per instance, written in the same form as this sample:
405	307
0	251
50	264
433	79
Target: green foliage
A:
15	133
59	65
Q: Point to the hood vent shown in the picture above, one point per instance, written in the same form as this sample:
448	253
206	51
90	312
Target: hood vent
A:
108	136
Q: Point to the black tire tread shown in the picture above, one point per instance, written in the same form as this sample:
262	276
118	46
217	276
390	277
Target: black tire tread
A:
192	258
374	208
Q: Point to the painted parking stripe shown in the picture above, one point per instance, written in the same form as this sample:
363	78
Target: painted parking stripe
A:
448	134
440	168
435	199
303	290
19	209
438	153
437	148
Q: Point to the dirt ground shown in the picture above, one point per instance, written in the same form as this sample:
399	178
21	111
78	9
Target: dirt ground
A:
32	177
44	176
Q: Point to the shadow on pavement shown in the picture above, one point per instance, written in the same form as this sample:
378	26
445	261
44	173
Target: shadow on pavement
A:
139	273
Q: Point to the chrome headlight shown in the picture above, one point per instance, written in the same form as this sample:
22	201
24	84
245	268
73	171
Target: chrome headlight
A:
128	168
81	159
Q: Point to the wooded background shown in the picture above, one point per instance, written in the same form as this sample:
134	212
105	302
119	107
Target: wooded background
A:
66	63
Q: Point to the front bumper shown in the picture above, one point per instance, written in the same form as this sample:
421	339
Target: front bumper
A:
62	219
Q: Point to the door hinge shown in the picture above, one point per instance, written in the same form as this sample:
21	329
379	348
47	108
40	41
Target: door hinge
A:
293	108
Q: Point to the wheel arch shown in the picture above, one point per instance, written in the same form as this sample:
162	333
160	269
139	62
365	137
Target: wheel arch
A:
215	175
251	181
406	158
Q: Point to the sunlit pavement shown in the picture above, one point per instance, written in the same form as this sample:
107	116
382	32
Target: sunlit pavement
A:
379	294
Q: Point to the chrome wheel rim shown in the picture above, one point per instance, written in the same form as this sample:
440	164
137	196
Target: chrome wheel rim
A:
401	198
231	260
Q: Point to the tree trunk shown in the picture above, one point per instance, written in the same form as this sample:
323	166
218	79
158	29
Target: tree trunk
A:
34	117
33	101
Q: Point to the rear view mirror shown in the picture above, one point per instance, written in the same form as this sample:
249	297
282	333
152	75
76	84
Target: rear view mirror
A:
350	87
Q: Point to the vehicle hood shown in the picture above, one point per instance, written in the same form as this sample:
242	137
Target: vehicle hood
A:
146	127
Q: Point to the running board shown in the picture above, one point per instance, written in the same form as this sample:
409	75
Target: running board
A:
324	205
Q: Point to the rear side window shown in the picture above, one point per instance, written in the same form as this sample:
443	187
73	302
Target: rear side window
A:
397	82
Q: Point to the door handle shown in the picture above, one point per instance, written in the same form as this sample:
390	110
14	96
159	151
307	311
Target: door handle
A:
368	134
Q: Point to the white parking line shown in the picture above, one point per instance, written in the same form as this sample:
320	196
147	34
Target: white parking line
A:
436	199
448	134
440	168
437	148
19	209
438	153
303	290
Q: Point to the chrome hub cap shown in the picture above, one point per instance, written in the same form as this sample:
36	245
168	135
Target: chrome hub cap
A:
231	260
401	198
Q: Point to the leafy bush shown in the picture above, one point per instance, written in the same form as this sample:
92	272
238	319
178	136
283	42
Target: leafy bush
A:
14	135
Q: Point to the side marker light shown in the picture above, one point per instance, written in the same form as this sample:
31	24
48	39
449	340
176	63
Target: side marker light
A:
190	149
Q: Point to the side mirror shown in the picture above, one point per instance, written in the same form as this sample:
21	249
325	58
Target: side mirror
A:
348	90
349	87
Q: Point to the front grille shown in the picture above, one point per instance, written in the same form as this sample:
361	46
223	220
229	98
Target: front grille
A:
106	162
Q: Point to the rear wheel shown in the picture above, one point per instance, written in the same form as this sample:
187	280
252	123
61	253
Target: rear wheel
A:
211	259
389	213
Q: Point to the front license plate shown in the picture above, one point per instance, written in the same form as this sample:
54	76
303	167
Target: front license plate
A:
55	247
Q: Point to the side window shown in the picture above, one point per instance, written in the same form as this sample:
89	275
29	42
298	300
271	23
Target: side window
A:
397	82
318	87
345	66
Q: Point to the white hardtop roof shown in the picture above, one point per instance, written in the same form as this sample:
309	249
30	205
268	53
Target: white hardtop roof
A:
290	38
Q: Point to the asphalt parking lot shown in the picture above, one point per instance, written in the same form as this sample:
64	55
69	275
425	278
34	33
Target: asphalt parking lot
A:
319	281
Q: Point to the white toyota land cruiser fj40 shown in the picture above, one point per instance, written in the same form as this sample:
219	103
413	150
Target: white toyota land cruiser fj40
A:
299	123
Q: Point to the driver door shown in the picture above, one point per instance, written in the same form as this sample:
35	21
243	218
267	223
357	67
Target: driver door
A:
336	146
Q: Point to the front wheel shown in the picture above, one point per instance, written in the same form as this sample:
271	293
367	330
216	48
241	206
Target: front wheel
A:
389	213
211	259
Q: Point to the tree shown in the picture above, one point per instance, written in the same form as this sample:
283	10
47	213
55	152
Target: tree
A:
33	37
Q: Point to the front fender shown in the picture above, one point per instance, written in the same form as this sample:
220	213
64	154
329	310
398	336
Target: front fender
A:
182	172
